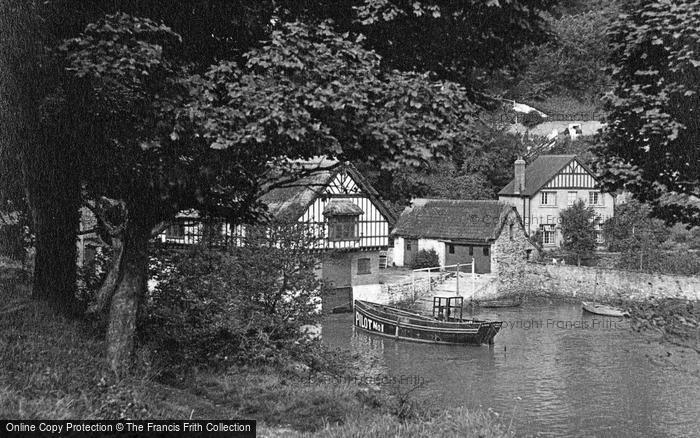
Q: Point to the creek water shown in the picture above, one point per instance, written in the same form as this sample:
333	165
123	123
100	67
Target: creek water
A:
553	371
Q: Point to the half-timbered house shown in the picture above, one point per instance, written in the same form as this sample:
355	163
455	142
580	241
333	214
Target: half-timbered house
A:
551	183
352	223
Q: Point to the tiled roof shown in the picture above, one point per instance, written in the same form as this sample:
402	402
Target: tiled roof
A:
538	173
452	219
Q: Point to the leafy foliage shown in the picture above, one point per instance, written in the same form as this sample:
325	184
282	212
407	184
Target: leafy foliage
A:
665	262
474	172
531	119
653	130
313	92
425	258
574	62
215	142
633	232
243	305
459	186
578	229
456	40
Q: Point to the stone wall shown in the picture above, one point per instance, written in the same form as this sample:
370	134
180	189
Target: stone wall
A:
393	293
509	256
601	283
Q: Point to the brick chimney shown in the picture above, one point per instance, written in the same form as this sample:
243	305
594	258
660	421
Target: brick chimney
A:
519	176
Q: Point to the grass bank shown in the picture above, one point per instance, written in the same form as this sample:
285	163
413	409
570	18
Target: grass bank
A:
52	368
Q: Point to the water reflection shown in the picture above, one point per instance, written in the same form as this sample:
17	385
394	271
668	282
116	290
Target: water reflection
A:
553	369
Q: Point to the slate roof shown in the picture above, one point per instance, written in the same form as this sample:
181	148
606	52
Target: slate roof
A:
539	173
450	219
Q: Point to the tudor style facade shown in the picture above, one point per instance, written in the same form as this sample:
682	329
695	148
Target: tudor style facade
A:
550	184
350	220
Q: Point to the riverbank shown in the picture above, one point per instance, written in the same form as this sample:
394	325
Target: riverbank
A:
53	368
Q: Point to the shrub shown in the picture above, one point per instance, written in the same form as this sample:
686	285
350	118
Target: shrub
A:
217	307
531	119
661	262
425	259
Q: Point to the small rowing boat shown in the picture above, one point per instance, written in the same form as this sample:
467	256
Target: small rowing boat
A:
401	324
603	309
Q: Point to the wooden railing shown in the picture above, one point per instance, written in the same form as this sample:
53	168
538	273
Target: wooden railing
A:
458	269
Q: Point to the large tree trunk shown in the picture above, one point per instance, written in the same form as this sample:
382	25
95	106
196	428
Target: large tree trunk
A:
109	286
127	298
47	167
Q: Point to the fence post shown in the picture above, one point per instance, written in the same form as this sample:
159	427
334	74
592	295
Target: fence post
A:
473	278
413	284
430	283
458	278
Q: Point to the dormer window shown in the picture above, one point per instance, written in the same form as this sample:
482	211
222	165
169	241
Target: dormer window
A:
343	220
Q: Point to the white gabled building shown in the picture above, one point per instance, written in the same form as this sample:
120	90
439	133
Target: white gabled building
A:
550	184
352	222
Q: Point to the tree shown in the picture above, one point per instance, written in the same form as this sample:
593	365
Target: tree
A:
652	135
38	148
459	187
455	40
578	228
633	232
169	140
574	62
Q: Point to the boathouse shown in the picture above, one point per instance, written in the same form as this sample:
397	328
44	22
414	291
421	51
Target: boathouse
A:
487	232
339	203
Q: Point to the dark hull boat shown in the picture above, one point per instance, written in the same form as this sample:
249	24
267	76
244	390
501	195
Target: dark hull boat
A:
400	324
602	309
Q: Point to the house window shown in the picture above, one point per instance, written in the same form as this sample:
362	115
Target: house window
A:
594	198
487	251
363	266
408	245
451	249
548	235
571	199
548	198
510	230
471	250
342	227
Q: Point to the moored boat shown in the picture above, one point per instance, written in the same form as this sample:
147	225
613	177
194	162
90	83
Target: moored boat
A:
401	324
603	309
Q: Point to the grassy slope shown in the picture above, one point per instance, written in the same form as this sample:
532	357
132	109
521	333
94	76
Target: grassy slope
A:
52	368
